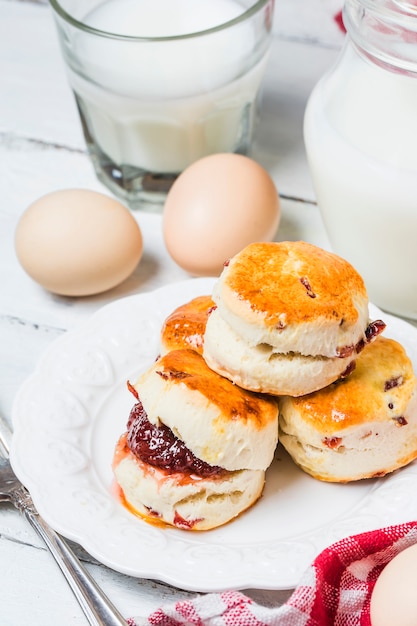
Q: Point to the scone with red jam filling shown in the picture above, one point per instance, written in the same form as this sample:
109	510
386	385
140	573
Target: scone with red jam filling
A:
197	446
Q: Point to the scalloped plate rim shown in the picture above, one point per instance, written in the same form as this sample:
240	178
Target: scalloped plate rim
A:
259	564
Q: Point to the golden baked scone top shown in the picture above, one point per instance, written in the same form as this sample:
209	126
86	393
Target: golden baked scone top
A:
380	388
292	282
189	368
185	326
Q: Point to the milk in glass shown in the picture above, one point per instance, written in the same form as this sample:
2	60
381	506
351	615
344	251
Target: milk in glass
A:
151	106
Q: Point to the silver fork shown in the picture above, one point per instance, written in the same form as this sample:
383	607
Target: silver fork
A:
97	608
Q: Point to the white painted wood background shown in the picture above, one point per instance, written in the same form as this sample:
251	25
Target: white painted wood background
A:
42	149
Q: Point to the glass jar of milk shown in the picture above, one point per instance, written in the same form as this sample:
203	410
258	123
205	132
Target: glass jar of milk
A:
360	132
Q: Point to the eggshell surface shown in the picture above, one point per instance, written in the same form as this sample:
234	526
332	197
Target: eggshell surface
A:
216	207
77	242
394	598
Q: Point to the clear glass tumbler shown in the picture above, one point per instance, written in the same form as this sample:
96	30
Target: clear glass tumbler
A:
160	84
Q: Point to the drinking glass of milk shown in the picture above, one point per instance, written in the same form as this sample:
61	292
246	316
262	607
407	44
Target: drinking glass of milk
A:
360	131
161	83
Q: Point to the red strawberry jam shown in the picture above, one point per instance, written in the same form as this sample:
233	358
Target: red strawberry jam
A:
158	446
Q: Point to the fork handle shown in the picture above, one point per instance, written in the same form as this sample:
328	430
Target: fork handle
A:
97	608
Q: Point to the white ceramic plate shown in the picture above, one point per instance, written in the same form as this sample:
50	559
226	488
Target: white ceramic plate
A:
69	414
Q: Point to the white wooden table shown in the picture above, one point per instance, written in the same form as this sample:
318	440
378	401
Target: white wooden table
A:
41	150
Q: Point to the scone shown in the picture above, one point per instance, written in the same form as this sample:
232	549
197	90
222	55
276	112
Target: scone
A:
361	427
186	325
290	318
197	447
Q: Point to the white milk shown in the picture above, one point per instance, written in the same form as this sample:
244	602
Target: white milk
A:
360	134
192	96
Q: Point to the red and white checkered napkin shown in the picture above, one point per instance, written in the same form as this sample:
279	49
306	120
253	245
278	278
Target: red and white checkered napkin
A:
334	591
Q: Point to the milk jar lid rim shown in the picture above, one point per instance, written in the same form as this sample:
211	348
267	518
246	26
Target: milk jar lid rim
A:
56	5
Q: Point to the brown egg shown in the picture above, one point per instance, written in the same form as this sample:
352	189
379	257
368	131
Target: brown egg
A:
216	207
394	598
77	242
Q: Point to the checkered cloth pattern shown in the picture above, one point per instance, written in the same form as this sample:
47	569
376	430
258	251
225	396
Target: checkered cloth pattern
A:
334	591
